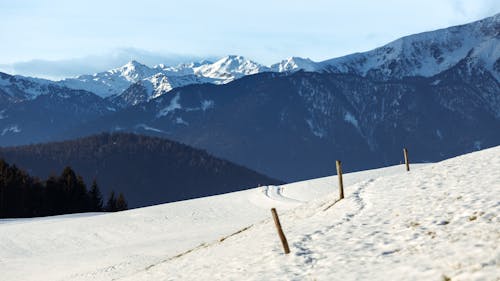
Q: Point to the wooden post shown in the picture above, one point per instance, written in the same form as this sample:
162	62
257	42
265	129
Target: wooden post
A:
280	231
341	182
407	162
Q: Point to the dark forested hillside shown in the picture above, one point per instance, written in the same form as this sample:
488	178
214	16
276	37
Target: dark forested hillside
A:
147	170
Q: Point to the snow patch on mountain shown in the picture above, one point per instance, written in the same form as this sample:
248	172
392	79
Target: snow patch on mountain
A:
207	104
315	129
349	118
181	121
11	129
439	134
174	105
149	128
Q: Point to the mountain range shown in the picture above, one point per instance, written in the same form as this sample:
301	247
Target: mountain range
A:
437	93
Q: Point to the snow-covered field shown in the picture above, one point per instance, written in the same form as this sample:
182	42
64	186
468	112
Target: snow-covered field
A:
435	222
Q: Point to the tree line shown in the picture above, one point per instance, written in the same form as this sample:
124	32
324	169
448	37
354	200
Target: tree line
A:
23	196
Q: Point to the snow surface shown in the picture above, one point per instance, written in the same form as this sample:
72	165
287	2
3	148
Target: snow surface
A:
438	220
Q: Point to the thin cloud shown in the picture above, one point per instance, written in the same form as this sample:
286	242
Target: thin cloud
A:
475	9
59	69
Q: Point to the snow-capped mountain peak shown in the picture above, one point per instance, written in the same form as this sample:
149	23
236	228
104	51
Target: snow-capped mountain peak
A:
294	64
133	71
132	65
230	68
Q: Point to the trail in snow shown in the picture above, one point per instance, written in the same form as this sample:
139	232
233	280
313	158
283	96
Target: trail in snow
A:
276	193
309	256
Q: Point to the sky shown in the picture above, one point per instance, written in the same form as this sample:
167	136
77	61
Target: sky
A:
61	38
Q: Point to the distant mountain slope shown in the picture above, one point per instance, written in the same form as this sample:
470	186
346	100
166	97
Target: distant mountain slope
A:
147	170
19	88
39	110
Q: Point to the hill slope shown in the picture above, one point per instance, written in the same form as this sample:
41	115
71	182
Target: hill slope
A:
423	225
147	170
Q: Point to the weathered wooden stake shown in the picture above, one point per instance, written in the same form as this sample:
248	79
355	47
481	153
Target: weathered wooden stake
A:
341	182
280	231
407	162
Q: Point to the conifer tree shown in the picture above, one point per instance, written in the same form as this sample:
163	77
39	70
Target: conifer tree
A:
121	203
75	191
95	198
111	204
54	196
68	177
80	197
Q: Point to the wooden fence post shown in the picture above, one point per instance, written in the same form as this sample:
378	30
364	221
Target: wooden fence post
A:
407	162
339	176
280	231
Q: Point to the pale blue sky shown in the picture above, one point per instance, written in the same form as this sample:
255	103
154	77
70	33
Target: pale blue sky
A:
57	38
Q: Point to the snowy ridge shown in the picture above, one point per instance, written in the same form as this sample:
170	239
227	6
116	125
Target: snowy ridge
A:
427	223
112	82
428	53
21	88
160	78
